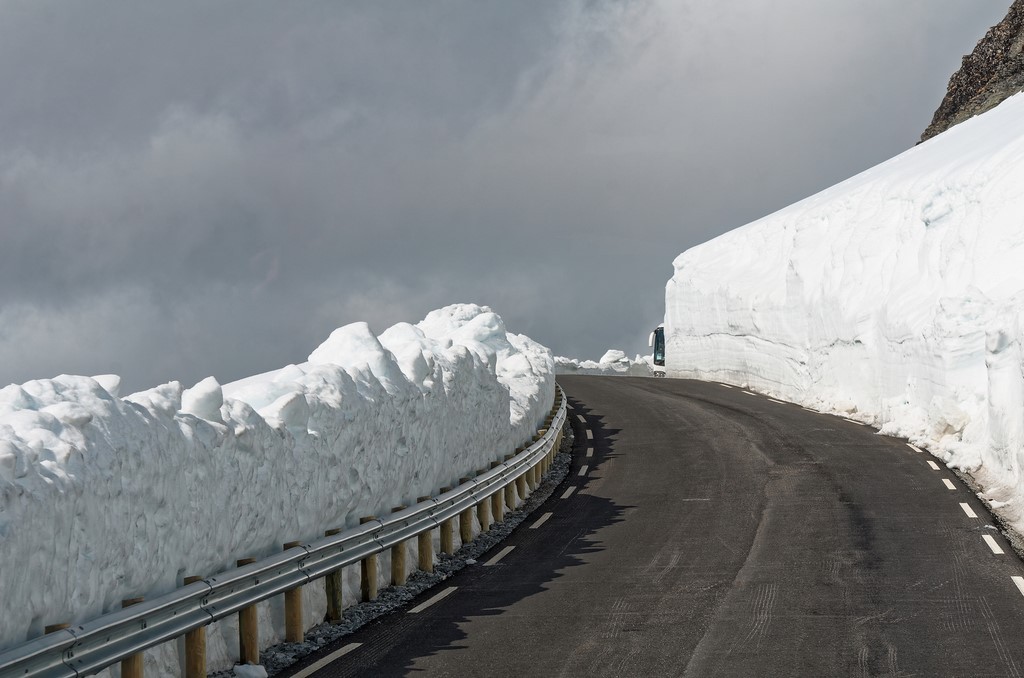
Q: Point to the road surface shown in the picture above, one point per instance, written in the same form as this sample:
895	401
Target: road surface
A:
714	532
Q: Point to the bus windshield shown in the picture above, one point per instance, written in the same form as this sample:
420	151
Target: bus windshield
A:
659	346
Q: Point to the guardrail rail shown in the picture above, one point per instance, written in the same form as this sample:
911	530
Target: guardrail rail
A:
121	636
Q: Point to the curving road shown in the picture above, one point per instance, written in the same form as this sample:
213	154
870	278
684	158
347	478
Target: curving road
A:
715	532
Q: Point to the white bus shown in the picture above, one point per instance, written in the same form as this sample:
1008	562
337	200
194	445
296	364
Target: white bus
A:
657	343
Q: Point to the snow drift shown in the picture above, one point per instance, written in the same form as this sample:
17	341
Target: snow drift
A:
105	498
894	297
614	362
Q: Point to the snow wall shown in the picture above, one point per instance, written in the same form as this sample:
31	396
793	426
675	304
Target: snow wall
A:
105	498
894	297
613	363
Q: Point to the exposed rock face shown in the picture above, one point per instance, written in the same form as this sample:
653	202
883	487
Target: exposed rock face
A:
989	74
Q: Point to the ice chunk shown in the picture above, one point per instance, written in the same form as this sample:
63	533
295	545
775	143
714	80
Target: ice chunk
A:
204	400
111	383
613	356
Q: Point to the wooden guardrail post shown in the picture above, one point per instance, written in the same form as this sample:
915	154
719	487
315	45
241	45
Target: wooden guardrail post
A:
498	500
248	629
466	520
510	489
132	666
332	586
293	608
448	531
398	557
195	645
483	510
547	457
425	545
522	480
368	571
521	485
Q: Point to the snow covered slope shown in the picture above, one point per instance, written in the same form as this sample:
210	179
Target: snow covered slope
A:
613	363
894	296
105	498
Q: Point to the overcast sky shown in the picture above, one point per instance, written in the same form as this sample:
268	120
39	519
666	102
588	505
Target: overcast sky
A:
191	188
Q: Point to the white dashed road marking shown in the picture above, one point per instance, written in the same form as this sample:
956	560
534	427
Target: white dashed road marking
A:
582	419
969	511
584	469
748	393
935	467
725	385
948	483
781	402
501	554
316	666
1019	581
439	597
590	451
543	519
915	448
569	492
590	434
992	544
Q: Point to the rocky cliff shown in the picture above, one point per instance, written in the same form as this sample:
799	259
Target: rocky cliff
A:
989	74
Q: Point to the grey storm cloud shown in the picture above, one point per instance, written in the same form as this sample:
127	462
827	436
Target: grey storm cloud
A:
196	188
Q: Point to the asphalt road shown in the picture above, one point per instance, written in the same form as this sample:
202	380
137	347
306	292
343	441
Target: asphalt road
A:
718	533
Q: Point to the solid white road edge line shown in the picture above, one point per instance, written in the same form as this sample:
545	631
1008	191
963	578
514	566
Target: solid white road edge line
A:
935	467
948	483
1019	581
781	402
590	451
969	511
590	434
915	448
569	492
992	544
584	469
543	519
317	665
501	554
427	603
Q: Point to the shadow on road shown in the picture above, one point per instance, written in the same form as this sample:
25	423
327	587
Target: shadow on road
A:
393	644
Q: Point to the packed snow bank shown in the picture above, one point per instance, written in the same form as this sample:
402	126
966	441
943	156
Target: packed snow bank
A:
613	362
103	498
894	296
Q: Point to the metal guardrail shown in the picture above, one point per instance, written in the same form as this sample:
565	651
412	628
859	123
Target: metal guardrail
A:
88	648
